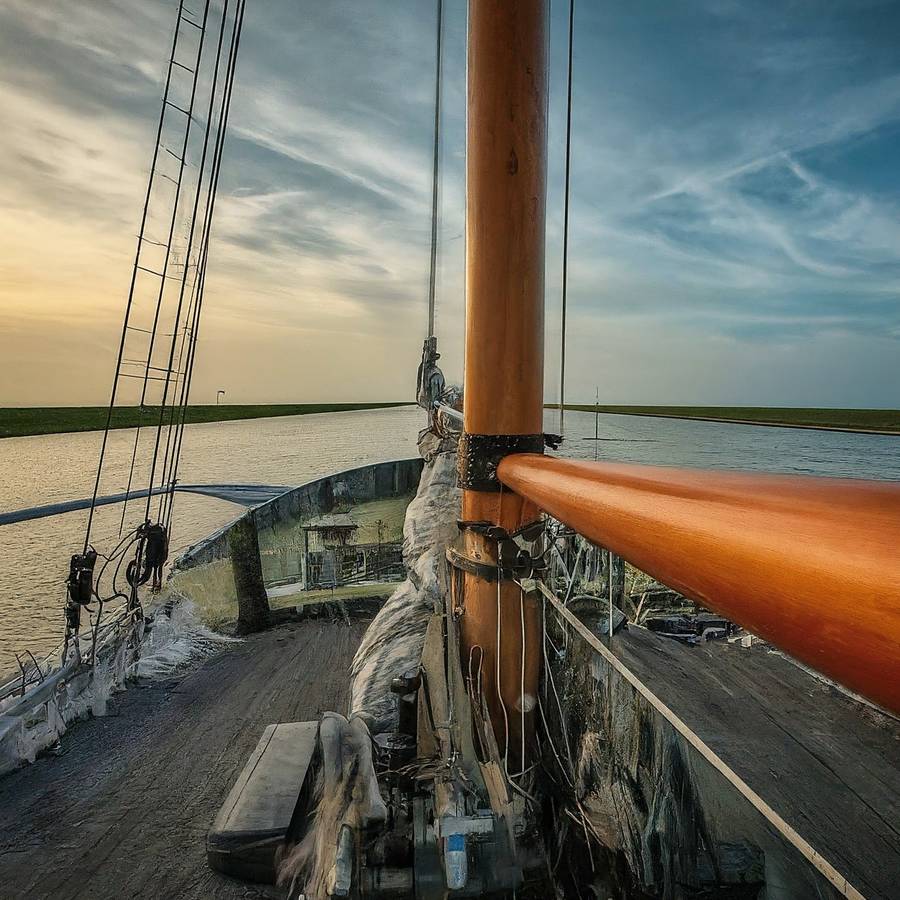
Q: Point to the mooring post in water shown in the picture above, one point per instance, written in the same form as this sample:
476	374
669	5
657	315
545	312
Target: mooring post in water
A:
504	365
253	602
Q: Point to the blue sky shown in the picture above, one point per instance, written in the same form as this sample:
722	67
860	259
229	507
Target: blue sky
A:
735	228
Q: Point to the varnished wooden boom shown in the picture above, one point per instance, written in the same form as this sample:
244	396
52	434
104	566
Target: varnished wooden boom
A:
810	564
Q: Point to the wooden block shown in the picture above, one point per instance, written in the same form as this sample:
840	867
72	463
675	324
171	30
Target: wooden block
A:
256	817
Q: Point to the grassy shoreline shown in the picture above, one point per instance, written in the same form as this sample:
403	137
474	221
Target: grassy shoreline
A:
27	421
862	421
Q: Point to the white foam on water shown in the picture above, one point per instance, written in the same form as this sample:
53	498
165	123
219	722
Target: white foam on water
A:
176	639
172	638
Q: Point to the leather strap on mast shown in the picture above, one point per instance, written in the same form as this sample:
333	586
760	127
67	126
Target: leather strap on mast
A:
504	365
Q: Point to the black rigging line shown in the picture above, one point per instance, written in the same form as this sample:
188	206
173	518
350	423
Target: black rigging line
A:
129	302
565	251
185	336
207	136
204	253
175	408
191	326
204	256
162	285
436	166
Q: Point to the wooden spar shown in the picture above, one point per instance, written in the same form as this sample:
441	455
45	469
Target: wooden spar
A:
810	564
504	367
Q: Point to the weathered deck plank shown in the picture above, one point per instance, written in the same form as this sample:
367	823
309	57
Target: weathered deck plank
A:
828	764
124	811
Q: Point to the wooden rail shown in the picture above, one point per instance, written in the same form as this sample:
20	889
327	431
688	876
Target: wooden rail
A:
810	564
775	820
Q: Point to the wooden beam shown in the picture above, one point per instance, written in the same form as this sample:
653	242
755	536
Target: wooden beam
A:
780	826
810	564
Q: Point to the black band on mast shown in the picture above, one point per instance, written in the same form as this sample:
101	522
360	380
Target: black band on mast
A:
480	454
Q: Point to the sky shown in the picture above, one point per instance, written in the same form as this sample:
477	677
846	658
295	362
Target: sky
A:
735	200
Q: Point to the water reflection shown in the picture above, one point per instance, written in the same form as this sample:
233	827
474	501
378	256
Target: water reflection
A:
293	450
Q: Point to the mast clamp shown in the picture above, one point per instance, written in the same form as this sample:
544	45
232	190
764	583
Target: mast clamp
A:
513	562
480	454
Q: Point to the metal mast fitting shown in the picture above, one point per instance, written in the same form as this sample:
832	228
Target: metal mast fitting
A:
504	368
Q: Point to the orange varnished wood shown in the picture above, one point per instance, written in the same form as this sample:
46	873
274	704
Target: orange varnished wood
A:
506	171
810	564
504	370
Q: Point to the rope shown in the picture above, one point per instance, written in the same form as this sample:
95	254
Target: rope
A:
207	141
565	251
204	251
183	334
189	112
130	300
432	278
197	195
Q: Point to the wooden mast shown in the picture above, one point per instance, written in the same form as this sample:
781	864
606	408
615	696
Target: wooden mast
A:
504	366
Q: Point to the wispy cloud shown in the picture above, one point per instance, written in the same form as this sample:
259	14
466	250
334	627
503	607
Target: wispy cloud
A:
723	219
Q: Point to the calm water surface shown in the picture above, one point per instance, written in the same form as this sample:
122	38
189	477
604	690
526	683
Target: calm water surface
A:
293	450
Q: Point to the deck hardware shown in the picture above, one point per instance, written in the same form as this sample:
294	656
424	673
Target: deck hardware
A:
80	584
513	561
480	454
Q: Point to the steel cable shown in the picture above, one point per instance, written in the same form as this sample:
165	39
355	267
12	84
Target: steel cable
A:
225	110
565	249
130	300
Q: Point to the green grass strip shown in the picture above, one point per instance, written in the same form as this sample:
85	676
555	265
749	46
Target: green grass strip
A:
20	422
863	420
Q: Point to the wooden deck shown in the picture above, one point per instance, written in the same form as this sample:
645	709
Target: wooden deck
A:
826	764
123	811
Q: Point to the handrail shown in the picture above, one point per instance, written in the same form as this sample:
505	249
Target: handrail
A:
810	564
243	494
44	690
815	859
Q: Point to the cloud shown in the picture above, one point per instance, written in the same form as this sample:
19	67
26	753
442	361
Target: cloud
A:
698	198
723	218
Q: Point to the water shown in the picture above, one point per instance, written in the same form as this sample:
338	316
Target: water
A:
292	450
714	445
45	469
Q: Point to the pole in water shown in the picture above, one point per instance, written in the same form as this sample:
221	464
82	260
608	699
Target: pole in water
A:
597	425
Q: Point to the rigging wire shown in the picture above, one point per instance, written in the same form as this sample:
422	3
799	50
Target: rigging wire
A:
225	110
185	217
167	264
189	112
180	304
565	249
432	278
130	301
208	141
